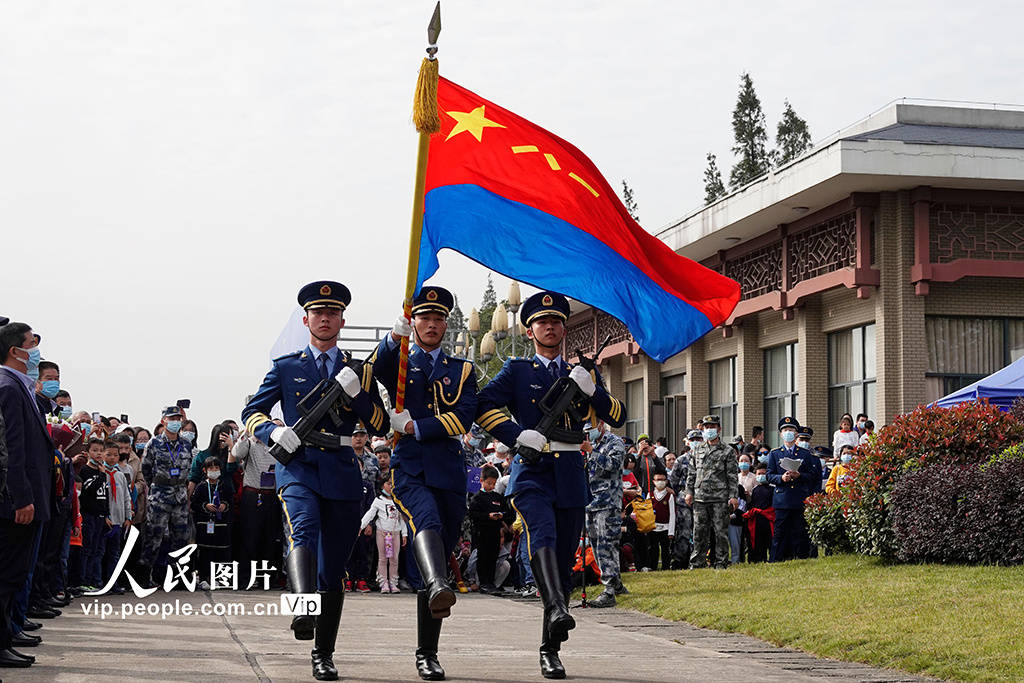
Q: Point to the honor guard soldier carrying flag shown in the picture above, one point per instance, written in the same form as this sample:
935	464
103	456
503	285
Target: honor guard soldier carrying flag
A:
319	486
548	486
428	473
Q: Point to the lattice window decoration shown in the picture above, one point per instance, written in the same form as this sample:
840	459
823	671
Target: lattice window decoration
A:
989	232
824	248
580	337
758	272
606	325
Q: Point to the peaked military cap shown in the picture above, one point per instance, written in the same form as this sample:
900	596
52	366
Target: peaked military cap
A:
711	420
823	451
324	294
789	422
544	305
694	435
805	431
433	299
171	411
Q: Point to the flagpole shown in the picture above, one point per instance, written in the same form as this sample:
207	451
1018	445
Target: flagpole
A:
425	117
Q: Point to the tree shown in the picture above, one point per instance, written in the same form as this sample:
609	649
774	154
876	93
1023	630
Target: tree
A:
488	304
630	201
456	319
713	187
749	136
792	137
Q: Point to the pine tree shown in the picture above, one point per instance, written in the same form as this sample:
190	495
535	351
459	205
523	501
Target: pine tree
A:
749	136
792	137
630	201
488	304
456	319
713	187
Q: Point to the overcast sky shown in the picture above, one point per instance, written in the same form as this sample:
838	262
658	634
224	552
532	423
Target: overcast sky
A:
172	172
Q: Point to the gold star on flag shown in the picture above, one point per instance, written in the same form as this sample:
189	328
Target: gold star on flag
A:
472	121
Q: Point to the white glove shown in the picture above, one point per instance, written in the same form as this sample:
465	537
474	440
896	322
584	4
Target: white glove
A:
399	420
402	327
349	381
531	439
287	437
583	380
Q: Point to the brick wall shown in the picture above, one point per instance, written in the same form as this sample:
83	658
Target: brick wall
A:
812	369
749	377
977	296
774	331
716	347
841	309
697	397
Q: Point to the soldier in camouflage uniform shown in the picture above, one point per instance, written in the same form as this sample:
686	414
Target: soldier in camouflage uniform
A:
683	544
604	514
165	467
711	489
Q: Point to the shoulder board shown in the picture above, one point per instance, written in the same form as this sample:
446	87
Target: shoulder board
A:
293	354
346	356
520	359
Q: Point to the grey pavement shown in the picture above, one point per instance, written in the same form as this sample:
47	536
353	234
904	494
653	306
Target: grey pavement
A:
486	639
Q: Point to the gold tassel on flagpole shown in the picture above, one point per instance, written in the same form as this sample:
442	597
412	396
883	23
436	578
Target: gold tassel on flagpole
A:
424	105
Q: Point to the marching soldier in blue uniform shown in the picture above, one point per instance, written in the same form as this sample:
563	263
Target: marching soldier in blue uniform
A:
428	472
320	487
551	493
792	488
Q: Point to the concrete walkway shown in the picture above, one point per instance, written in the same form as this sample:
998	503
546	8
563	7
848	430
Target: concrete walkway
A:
487	638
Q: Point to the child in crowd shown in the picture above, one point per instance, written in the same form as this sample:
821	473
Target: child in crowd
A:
747	478
211	510
840	475
93	504
488	511
664	532
760	517
384	514
119	518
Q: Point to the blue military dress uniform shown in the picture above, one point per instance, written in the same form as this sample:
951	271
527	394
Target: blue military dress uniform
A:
428	471
320	488
551	494
790	537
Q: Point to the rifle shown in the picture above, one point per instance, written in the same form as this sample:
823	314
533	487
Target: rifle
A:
323	400
564	397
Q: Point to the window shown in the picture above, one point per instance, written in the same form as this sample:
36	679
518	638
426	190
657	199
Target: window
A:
635	408
722	375
963	350
673	394
779	389
851	373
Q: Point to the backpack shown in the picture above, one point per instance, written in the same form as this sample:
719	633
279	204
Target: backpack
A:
643	511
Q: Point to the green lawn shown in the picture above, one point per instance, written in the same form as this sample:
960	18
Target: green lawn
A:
960	623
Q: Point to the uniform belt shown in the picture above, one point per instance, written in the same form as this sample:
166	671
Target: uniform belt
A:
555	446
259	490
325	440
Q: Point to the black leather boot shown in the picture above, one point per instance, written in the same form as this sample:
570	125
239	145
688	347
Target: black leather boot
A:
327	635
428	633
301	567
428	548
550	662
545	572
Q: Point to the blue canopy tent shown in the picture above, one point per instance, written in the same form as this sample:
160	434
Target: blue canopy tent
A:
1000	388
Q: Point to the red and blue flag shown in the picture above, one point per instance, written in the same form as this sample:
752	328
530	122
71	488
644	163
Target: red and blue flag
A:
527	204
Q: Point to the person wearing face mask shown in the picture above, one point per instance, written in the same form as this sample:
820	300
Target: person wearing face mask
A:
211	510
28	502
219	447
64	409
663	535
824	455
760	517
47	386
793	485
711	489
747	478
803	437
165	466
840	475
682	545
605	459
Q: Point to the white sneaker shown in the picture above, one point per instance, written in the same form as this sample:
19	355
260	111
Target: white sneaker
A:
385	587
395	588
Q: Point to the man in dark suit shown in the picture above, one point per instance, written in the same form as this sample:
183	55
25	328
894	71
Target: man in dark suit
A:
25	503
